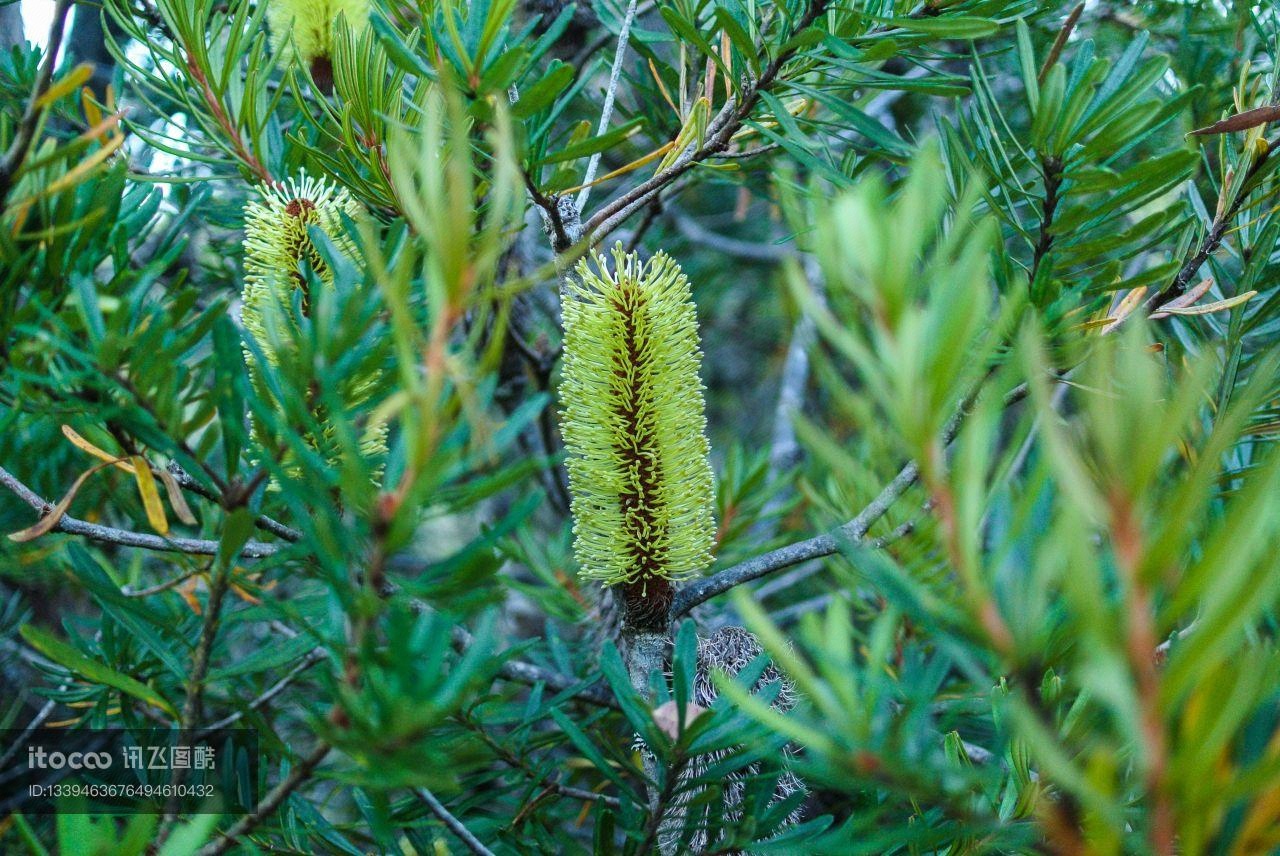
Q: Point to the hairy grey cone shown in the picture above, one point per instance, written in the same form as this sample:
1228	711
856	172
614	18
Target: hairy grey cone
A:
729	649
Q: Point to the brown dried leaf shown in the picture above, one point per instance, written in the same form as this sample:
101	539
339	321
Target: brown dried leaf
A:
244	594
1125	308
50	521
1060	42
176	499
1190	297
667	717
188	592
1241	121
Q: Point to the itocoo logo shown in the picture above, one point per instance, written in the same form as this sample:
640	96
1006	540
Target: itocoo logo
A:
39	759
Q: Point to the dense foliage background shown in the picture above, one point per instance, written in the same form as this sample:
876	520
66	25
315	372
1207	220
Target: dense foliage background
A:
989	305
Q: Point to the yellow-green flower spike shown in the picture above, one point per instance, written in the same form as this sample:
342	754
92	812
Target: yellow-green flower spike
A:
277	246
310	25
634	425
277	242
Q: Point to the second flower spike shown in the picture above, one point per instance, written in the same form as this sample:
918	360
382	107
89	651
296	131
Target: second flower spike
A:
306	29
281	262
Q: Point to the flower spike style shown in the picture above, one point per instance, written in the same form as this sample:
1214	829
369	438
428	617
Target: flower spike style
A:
634	425
310	25
278	248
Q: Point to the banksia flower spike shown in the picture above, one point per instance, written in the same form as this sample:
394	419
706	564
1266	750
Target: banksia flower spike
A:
634	425
276	225
277	242
310	24
278	245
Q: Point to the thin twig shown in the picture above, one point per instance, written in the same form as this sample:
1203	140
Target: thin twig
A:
784	449
262	521
129	591
238	147
1129	546
455	825
562	222
193	706
1052	171
22	652
313	656
299	774
124	537
583	794
548	785
829	542
527	673
787	581
558	477
749	153
520	671
579	60
1162	650
793	554
788	614
823	600
1213	238
719	134
760	252
606	113
45	711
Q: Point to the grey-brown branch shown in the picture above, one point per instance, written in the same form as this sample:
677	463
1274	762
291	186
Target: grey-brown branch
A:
125	537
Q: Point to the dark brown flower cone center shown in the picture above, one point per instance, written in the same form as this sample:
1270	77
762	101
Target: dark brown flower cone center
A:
322	74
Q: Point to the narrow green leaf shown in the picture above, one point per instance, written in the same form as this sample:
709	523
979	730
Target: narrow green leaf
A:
67	655
590	146
947	27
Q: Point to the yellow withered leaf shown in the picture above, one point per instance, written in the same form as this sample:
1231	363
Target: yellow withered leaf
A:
179	502
666	96
101	454
1191	296
150	495
623	170
1209	308
89	104
691	133
70	82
